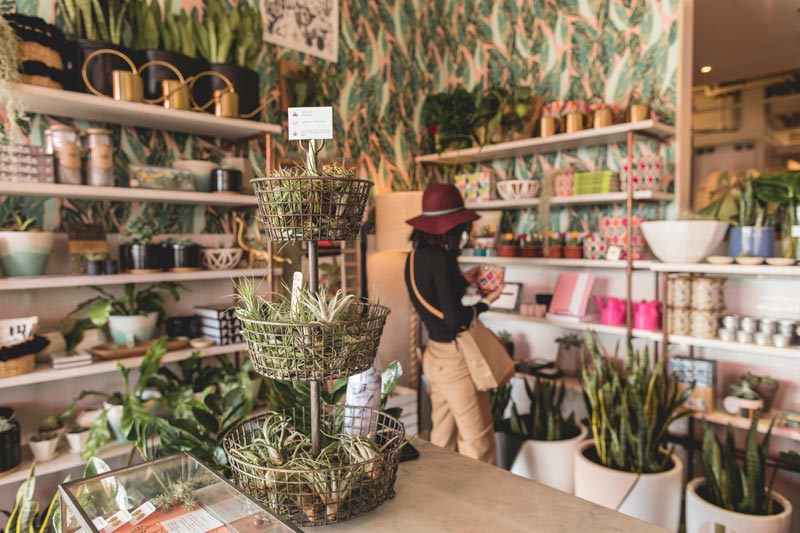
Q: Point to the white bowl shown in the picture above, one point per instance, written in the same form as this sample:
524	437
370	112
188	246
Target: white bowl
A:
518	189
683	241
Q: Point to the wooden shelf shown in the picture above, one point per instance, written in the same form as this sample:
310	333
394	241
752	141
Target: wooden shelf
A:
125	194
581	199
581	326
73	104
46	374
729	270
53	282
555	143
792	352
723	418
551	263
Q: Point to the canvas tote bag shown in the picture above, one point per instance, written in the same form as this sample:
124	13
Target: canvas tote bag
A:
489	364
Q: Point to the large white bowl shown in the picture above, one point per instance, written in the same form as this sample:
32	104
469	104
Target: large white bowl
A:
683	241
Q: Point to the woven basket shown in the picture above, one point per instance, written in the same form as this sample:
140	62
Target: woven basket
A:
315	351
311	208
325	495
18	366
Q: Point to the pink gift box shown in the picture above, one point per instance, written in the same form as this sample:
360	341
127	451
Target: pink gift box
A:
564	183
647	173
594	246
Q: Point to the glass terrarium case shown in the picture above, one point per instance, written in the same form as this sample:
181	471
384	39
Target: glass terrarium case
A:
176	494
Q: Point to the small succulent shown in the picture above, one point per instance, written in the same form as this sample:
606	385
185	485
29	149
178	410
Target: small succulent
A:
744	390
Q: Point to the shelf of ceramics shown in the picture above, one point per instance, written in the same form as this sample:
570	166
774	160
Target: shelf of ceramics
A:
125	194
554	143
751	349
54	282
551	263
576	326
45	373
71	104
605	198
739	422
728	270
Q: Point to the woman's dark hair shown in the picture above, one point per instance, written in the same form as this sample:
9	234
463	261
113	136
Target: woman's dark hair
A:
449	241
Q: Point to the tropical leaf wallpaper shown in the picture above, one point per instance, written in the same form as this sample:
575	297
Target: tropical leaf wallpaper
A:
392	54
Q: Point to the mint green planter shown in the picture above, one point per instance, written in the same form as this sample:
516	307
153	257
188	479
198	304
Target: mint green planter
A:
25	253
130	330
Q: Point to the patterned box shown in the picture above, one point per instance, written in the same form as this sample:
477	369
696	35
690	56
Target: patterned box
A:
564	183
22	163
594	246
614	229
648	171
475	186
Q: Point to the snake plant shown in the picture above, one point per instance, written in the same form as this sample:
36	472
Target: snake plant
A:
630	409
498	400
96	20
741	488
163	29
546	420
247	50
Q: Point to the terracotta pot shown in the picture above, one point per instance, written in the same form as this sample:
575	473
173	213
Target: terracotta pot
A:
701	515
573	252
507	251
555	252
527	251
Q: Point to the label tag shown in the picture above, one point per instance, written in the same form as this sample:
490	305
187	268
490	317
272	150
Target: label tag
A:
144	510
119	519
297	285
310	123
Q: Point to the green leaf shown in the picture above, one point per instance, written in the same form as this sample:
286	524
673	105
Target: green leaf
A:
206	419
99	312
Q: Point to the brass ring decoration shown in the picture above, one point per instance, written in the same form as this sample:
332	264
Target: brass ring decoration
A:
97	53
208	73
170	66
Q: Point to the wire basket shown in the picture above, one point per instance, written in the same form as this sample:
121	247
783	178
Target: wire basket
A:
311	208
316	497
315	351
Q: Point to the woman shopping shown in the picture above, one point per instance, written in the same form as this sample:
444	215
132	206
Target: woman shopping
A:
462	418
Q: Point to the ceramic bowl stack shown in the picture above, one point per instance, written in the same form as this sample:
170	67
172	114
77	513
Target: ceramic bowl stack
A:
763	332
695	306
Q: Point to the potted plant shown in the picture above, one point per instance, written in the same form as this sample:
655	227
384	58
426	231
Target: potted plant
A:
163	36
568	357
96	264
627	465
180	255
765	386
508	341
553	245
743	400
547	454
449	119
230	40
77	437
24	250
733	496
43	446
507	443
133	316
573	247
534	246
95	26
507	248
139	253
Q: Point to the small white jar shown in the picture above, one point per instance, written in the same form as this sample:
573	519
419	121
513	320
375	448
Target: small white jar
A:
763	339
745	337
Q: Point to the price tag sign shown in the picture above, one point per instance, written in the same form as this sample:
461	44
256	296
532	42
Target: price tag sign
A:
310	123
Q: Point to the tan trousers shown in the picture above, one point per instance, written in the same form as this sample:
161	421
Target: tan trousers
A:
462	417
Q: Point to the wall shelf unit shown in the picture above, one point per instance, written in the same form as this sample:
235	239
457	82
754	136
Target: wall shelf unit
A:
71	104
575	326
581	199
125	194
544	262
554	143
727	270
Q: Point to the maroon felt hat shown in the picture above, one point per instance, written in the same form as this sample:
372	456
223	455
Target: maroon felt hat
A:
442	210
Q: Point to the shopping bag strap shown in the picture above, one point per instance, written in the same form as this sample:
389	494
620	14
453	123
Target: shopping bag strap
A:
425	303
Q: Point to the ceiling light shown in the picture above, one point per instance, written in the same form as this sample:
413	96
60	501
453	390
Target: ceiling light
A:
706	69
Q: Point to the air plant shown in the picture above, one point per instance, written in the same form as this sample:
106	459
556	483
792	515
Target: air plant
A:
176	493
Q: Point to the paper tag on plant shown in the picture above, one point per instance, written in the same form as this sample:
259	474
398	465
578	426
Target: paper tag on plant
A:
142	512
297	285
310	123
119	519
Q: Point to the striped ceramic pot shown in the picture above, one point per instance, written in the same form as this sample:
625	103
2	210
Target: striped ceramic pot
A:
25	253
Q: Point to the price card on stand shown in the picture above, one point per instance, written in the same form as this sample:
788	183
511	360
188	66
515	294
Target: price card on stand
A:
310	123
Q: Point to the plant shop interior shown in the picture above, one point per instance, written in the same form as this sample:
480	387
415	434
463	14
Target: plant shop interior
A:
399	265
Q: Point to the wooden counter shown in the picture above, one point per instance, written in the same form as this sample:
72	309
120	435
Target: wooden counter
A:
446	492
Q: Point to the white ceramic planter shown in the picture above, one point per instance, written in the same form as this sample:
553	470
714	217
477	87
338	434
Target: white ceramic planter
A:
129	330
25	253
77	441
702	516
654	498
114	419
44	450
87	417
551	463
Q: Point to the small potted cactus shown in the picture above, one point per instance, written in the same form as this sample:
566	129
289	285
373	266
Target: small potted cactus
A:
533	246
554	245
507	247
573	247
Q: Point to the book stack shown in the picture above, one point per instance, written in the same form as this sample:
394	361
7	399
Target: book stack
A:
70	361
219	323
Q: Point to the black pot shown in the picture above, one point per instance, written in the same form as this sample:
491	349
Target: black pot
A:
508	445
153	76
10	455
182	326
100	67
226	180
111	266
544	299
180	255
244	80
140	257
96	267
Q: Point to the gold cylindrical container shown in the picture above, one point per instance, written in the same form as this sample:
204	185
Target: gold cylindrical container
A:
548	126
575	121
639	112
127	86
603	117
226	104
176	94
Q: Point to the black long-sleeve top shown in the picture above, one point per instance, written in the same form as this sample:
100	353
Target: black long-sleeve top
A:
442	286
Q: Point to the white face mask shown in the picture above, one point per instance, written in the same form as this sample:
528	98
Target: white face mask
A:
464	240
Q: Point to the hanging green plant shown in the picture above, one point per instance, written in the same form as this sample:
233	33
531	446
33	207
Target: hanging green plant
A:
9	77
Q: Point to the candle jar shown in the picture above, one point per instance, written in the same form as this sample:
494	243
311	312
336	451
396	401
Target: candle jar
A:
67	153
99	158
767	326
575	121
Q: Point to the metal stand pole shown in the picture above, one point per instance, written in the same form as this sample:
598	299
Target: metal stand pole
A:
629	250
313	285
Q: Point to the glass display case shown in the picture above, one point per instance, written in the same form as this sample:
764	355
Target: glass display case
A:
175	494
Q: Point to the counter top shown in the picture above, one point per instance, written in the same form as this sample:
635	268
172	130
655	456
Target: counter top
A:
443	491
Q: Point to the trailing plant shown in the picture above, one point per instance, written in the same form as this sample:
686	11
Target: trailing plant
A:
95	20
546	420
498	400
449	118
140	230
25	517
630	409
130	303
498	109
738	488
10	68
